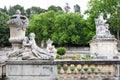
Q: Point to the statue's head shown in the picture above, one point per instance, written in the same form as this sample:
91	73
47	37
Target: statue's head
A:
18	12
32	35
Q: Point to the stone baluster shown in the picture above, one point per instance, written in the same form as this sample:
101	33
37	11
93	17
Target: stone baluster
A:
76	72
62	72
82	72
89	72
102	71
96	71
110	71
68	73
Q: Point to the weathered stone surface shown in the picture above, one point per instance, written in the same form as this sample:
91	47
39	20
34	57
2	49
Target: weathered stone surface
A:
106	48
21	70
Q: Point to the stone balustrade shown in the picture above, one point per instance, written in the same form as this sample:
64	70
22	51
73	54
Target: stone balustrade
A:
63	70
87	70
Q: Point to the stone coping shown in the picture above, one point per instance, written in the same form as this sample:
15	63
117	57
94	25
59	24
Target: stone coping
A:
55	62
103	39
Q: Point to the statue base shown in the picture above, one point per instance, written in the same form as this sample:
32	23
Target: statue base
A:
31	70
103	48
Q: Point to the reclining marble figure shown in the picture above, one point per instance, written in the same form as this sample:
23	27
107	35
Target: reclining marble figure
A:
30	50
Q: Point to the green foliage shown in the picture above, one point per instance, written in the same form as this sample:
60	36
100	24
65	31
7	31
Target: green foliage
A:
88	57
78	56
55	8
12	10
86	69
92	69
4	30
65	67
59	66
118	50
101	6
72	68
70	30
42	25
64	29
58	57
61	51
34	10
79	69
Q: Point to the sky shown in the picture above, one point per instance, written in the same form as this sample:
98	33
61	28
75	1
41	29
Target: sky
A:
44	3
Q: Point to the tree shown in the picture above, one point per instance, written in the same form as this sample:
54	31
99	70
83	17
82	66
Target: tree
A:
42	25
4	30
34	10
5	9
108	7
70	30
12	10
55	8
64	29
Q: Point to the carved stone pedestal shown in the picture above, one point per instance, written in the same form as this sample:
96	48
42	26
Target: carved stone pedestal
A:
31	70
103	48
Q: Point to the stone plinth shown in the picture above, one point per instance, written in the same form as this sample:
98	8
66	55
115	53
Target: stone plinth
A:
104	48
31	70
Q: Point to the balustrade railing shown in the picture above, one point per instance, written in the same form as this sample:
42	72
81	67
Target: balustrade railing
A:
87	70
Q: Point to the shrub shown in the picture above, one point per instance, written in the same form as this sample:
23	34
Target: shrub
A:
72	67
65	67
59	66
118	50
61	51
78	56
58	57
79	69
86	69
88	57
92	69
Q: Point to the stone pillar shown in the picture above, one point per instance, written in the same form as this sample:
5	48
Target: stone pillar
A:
17	24
117	70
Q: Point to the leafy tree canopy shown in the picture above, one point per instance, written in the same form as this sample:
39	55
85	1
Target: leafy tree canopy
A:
4	30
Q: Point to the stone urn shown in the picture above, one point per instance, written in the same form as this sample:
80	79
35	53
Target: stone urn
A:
17	24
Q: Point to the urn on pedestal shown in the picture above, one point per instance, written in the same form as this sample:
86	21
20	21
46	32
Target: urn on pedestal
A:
17	24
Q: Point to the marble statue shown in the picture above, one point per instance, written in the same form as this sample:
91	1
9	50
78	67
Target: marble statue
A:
103	45
67	8
102	28
38	52
30	50
51	48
